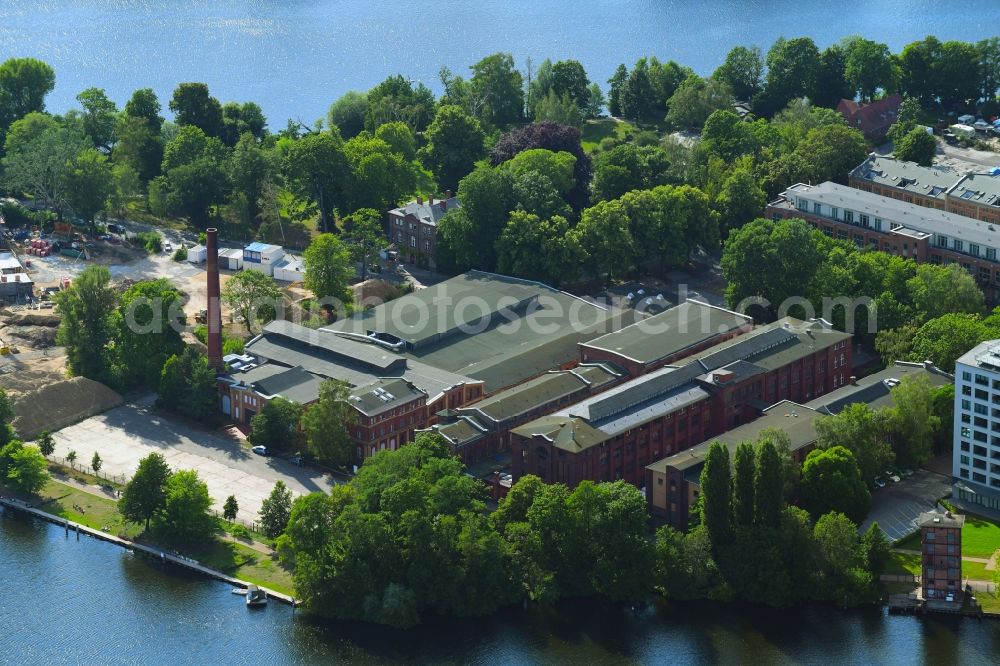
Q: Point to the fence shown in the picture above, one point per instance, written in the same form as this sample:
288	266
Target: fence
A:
119	479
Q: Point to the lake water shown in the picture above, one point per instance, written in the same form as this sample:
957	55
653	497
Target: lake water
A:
294	57
90	602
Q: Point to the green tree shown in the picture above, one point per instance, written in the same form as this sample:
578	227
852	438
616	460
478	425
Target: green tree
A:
24	83
944	339
71	457
348	113
912	420
917	65
100	117
695	100
239	119
46	443
253	296
192	105
96	462
768	485
869	67
743	72
630	167
329	268
940	290
558	167
570	78
381	177
560	109
862	431
467	236
497	81
395	99
184	516
917	146
276	510
327	422
606	237
366	231
248	167
145	493
617	83
89	183
539	249
716	510
276	425
230	508
6	416
956	74
831	481
83	329
906	121
455	141
831	151
42	166
26	469
400	139
188	386
685	567
793	68
145	330
744	471
875	548
317	168
769	260
740	200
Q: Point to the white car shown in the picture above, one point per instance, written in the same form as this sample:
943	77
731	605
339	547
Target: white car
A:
167	247
259	450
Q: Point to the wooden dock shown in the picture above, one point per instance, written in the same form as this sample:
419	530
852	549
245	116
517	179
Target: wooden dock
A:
154	553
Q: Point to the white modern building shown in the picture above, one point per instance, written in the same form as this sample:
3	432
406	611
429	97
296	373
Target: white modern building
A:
976	456
197	254
262	257
290	269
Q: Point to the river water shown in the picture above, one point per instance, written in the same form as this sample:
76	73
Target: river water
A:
294	57
90	602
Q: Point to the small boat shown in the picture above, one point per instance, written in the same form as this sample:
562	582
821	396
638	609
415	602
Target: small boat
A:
240	591
256	596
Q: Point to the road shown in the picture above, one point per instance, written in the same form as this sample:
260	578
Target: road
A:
126	434
981	157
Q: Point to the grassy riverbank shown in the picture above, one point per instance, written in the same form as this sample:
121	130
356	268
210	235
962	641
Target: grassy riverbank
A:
226	554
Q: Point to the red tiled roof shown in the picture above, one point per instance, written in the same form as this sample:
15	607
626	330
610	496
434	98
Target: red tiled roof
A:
872	119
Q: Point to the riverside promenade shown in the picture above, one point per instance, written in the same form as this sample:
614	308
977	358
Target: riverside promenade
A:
155	553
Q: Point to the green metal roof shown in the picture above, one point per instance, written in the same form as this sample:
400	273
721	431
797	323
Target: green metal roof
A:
670	332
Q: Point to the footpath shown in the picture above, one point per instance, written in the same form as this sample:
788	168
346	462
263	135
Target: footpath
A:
152	551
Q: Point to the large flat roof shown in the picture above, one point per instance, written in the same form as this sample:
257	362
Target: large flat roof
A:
912	216
979	188
498	329
933	181
670	332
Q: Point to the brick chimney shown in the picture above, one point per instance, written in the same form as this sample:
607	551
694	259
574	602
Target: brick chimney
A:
430	200
444	204
214	319
420	200
447	194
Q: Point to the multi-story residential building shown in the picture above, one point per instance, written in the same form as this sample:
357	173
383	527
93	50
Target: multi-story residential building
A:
413	228
897	227
615	434
941	556
672	483
905	181
975	195
976	454
666	337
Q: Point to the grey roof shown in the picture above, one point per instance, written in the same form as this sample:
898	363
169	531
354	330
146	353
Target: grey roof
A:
932	181
499	329
876	389
542	390
935	519
670	332
293	384
460	432
637	391
383	395
985	355
8	261
427	212
328	355
979	188
919	218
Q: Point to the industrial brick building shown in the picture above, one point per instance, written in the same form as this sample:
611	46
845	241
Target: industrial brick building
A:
672	483
941	556
616	434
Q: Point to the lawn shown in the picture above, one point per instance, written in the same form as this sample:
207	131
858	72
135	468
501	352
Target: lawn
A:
980	537
595	130
903	563
221	553
976	570
990	603
909	542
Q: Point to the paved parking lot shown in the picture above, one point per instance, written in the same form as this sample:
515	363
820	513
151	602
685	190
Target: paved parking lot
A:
897	506
126	434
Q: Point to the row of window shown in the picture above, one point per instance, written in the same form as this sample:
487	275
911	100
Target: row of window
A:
958	245
979	477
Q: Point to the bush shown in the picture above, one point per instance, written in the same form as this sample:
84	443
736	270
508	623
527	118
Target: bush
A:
240	531
181	254
151	241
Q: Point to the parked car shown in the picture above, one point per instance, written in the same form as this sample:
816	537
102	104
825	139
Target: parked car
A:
167	247
296	460
880	482
259	450
907	472
894	478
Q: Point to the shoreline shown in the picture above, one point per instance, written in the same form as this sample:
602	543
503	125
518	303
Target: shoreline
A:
153	553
